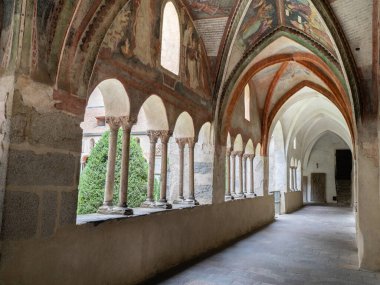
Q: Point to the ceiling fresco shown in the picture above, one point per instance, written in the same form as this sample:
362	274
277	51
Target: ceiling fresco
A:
302	15
261	18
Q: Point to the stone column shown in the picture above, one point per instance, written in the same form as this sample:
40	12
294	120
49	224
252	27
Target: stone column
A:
153	136
228	195
252	173
114	124
163	202
245	157
127	124
292	179
191	199
295	179
233	173
181	147
240	194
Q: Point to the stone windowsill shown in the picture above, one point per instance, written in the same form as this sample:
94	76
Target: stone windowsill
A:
93	218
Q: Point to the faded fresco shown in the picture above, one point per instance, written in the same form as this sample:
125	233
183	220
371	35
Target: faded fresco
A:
260	19
209	8
193	58
302	14
135	34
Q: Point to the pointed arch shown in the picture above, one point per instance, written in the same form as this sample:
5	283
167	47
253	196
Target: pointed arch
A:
238	143
184	127
155	113
116	100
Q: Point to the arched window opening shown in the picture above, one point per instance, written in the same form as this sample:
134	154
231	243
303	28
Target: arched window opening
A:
170	39
247	102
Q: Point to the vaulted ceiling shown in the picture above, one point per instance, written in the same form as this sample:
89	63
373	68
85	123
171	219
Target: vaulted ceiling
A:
67	37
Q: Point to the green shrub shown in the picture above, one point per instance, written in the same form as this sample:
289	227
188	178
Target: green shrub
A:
93	177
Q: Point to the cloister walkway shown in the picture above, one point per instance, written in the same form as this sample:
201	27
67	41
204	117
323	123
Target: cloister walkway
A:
315	245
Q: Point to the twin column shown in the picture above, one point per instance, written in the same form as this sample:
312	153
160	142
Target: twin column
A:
243	189
293	173
107	208
182	142
164	137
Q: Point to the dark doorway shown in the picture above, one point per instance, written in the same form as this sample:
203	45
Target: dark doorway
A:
343	177
318	188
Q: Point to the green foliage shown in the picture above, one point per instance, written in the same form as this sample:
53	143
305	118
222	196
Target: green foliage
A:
93	177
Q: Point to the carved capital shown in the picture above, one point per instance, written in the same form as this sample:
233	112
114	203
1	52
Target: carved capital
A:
191	142
127	122
165	136
237	153
181	142
246	156
113	122
153	136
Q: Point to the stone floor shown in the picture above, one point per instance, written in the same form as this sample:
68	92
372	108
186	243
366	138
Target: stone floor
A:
315	245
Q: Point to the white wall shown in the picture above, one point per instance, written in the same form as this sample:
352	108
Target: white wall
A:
323	153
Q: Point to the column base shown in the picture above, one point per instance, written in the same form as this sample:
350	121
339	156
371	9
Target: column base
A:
111	210
240	196
251	195
148	204
180	200
191	201
229	197
163	205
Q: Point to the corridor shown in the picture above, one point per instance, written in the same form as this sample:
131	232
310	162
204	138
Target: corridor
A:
315	245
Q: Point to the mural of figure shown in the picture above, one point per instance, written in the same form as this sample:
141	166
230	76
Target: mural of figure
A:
302	15
258	23
191	55
143	32
201	67
208	7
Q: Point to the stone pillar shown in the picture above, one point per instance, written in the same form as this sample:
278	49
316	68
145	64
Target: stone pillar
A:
233	173
122	208
240	194
191	199
153	136
251	191
245	157
114	124
295	178
163	202
228	195
181	147
292	179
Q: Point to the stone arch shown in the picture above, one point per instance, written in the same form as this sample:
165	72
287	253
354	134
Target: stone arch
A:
155	114
205	135
184	127
277	160
249	149
116	100
258	149
238	143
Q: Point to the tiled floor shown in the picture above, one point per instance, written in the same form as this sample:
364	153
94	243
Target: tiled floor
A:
315	245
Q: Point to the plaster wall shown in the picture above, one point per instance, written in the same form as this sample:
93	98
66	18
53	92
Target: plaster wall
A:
368	198
323	153
131	249
293	201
